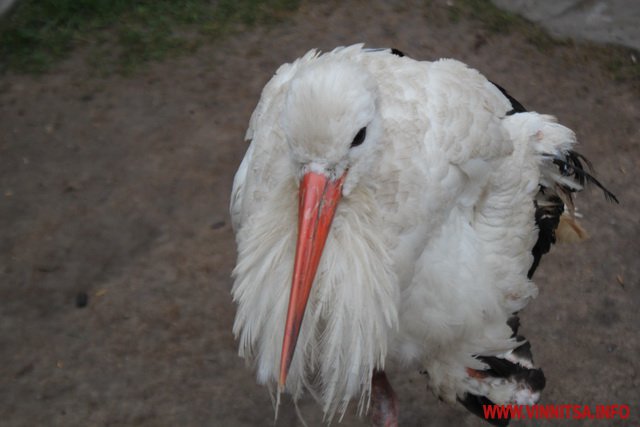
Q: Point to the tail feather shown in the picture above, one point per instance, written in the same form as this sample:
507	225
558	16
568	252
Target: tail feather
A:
578	167
564	172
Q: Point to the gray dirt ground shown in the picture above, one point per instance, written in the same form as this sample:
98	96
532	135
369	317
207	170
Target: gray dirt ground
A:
118	187
609	21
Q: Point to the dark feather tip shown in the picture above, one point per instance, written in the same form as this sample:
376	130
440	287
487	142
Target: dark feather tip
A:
579	167
516	106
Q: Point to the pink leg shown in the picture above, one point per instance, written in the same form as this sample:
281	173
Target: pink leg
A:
384	405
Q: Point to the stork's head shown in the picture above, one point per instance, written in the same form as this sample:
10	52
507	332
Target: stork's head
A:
330	120
332	126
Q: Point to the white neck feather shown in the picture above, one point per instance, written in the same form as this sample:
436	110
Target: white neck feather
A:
350	312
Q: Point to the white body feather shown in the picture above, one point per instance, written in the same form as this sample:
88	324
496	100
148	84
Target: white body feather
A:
432	249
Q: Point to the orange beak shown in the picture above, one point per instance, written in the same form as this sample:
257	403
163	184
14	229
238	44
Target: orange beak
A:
319	197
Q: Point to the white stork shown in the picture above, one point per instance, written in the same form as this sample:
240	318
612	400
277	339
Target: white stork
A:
394	209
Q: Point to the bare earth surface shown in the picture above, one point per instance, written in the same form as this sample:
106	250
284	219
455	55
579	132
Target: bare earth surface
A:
609	21
119	188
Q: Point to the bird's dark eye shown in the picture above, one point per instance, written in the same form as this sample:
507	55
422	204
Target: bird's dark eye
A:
359	138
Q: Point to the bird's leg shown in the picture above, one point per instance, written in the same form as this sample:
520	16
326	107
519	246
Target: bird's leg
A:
384	403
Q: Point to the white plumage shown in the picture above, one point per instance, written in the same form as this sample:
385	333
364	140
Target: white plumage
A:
428	252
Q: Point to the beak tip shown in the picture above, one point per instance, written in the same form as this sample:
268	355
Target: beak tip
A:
282	380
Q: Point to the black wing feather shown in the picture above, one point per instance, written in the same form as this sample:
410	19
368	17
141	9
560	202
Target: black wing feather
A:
516	106
578	167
